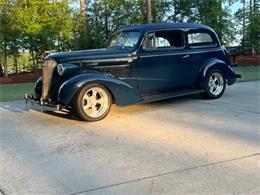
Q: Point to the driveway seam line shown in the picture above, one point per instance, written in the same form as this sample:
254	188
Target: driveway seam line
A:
167	173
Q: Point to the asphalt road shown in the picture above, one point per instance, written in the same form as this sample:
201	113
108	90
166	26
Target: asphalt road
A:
178	146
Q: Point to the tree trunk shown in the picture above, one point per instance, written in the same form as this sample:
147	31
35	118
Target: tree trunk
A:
106	20
15	63
244	24
250	6
254	10
251	23
82	8
33	61
220	18
5	61
148	11
83	40
1	70
96	12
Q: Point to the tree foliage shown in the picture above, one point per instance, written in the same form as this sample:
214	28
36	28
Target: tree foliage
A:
249	18
215	13
42	25
35	25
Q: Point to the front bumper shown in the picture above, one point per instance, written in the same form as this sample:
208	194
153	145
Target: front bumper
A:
33	100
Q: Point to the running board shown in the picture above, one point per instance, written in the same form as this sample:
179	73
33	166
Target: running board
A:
156	97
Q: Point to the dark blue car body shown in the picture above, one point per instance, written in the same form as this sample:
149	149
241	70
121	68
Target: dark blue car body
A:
138	75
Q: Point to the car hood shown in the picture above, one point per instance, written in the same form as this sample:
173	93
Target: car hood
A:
94	54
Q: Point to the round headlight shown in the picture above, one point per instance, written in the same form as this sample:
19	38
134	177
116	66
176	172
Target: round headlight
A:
60	69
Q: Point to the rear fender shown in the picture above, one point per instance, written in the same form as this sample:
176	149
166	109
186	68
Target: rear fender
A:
218	64
122	92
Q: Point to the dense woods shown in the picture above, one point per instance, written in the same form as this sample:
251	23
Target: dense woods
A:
37	26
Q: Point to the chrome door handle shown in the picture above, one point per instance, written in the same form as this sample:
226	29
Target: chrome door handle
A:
186	56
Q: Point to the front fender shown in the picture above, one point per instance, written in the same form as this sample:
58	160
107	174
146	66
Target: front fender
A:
38	88
215	63
122	92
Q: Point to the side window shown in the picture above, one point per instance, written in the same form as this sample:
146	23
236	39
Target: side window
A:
164	39
200	39
161	42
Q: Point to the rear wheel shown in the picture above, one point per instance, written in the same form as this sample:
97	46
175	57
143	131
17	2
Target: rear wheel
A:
93	102
215	84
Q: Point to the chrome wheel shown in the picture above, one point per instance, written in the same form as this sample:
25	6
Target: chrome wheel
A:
95	102
216	83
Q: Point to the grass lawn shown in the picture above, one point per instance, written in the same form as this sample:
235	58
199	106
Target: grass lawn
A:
10	92
250	73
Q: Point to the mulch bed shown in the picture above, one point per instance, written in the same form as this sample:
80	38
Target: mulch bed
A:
247	60
27	77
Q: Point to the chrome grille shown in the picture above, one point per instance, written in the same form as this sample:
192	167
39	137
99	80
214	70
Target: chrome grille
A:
47	72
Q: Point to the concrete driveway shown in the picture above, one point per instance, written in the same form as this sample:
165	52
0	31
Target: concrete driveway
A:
178	146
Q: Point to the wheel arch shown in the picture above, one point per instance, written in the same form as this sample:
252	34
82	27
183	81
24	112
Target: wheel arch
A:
96	82
122	93
217	64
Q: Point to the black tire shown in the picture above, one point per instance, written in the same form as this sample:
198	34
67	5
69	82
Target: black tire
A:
214	85
85	100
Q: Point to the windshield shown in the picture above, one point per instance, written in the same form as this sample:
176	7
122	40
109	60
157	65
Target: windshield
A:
124	39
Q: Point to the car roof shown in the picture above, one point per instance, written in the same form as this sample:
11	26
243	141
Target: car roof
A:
159	26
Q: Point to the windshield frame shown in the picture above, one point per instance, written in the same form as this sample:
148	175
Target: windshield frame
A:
125	48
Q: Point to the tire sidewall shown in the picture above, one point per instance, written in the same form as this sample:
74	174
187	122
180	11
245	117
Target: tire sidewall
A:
78	103
207	93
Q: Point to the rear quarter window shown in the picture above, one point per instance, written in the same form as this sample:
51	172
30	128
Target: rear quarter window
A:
200	39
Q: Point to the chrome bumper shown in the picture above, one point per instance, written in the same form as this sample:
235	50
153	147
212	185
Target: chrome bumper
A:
33	100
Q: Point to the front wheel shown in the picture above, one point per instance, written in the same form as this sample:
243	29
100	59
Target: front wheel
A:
92	102
215	84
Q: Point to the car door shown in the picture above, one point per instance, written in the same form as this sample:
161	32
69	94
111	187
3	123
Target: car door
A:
163	64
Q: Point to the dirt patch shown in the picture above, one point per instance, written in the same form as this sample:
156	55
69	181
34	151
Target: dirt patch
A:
27	77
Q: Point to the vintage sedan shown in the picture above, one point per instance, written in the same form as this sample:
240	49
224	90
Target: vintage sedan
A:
142	63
